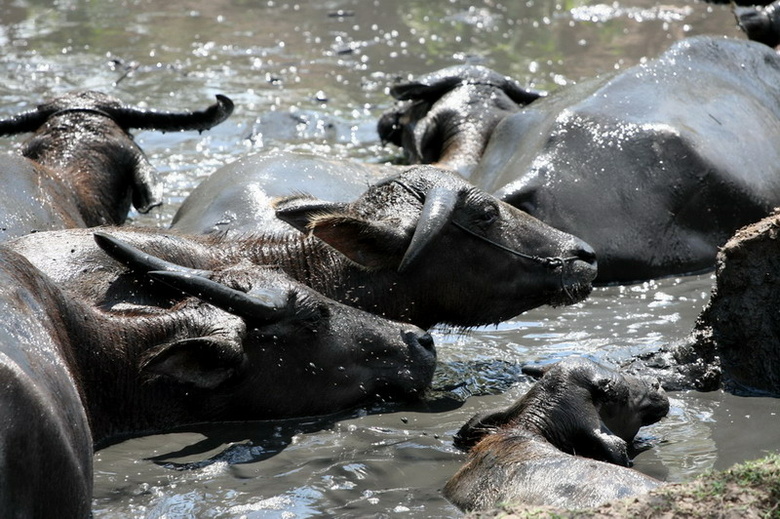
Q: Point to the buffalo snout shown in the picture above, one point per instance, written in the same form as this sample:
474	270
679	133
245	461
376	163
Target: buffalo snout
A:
646	403
584	252
419	340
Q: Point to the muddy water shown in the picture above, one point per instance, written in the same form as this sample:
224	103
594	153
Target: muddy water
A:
312	76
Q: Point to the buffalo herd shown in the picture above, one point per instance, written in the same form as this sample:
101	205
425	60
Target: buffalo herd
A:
291	285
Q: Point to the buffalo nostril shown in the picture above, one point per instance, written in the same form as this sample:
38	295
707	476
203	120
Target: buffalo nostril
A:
426	341
585	253
423	340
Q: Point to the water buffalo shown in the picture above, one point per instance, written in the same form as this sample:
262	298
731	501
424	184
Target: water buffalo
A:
423	247
449	115
564	443
654	166
81	167
253	344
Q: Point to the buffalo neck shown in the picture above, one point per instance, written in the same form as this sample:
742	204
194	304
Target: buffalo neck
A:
380	291
92	157
536	414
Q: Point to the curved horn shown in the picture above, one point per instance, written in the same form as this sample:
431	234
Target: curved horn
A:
416	91
130	117
436	213
136	259
24	122
247	306
518	94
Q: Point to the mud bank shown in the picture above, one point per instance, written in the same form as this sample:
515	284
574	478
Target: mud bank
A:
747	490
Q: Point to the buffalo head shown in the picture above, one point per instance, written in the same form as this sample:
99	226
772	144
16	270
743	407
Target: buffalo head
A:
446	117
555	446
276	347
462	256
580	407
81	168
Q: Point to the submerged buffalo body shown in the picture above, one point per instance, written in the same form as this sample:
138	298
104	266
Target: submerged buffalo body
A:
564	443
238	198
423	246
81	167
253	345
655	166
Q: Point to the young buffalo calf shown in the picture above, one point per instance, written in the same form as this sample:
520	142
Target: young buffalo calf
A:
252	345
563	444
81	167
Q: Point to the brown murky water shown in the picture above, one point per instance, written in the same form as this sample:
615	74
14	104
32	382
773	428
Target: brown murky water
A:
313	76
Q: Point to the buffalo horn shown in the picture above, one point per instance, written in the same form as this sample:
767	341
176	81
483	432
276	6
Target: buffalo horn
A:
519	94
432	92
131	117
436	213
250	307
24	122
137	259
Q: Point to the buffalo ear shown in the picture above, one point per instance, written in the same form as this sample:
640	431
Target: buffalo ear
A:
371	244
147	185
536	371
205	362
479	426
300	210
415	90
609	388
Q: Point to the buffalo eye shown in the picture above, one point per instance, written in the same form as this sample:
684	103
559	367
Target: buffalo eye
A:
310	313
479	211
487	216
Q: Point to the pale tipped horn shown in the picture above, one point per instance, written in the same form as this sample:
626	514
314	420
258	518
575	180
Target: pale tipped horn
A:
436	213
131	117
137	259
249	307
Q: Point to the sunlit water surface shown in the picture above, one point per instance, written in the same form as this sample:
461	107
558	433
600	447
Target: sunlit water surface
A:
313	76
